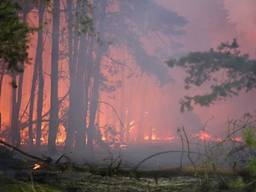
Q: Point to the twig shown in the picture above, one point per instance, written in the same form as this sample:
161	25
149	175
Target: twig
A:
182	148
188	148
24	153
135	168
115	111
61	157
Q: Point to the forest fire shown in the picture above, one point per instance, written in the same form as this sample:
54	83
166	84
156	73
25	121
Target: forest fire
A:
116	87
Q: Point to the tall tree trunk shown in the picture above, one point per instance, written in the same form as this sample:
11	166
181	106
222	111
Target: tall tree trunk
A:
15	135
1	81
39	60
99	49
140	134
122	106
82	92
32	101
16	103
54	118
83	75
17	95
73	49
94	105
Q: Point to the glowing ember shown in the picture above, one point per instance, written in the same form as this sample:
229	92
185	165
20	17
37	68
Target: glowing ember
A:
131	123
154	137
170	138
237	139
36	166
104	138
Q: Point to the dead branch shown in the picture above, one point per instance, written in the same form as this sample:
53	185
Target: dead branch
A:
26	124
227	138
136	167
115	111
61	157
188	148
182	148
24	153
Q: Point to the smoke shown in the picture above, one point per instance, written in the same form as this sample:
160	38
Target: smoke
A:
243	15
209	23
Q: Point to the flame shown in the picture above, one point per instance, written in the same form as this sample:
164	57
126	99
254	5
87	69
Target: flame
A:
204	136
154	137
103	138
36	166
170	138
131	124
237	139
61	136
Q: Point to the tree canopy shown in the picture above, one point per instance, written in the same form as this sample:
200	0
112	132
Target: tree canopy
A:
13	37
137	19
226	71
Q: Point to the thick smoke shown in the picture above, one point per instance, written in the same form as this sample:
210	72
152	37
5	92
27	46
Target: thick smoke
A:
243	15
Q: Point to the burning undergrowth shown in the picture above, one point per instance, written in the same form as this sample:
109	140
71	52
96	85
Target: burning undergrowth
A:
218	165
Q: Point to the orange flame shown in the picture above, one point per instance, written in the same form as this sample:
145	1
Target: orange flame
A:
237	139
154	137
204	136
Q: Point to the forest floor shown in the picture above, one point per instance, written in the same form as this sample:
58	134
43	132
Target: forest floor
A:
18	175
73	180
88	182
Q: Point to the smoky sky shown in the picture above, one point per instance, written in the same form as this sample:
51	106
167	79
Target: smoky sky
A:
205	24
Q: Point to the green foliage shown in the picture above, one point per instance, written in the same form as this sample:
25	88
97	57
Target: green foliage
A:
11	185
86	25
249	137
237	183
204	68
252	167
13	37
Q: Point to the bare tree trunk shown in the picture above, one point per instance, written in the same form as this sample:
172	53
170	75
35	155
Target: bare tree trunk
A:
83	86
15	135
99	49
54	119
17	97
1	81
93	108
84	63
122	101
40	75
73	49
140	136
32	101
16	103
